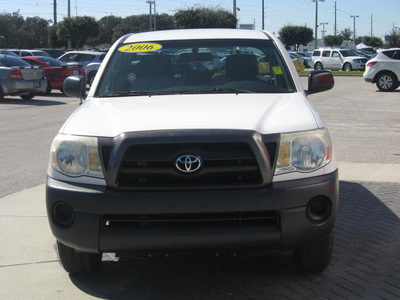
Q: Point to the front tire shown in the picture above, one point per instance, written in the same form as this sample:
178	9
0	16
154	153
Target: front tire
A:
1	94
315	256
27	96
386	82
75	262
318	66
347	67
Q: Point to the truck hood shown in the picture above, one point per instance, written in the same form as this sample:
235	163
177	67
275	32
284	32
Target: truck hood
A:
263	113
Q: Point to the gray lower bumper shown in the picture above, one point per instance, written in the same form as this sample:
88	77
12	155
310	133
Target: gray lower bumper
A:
289	199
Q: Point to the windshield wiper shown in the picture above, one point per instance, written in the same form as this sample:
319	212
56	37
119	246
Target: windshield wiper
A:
216	90
132	93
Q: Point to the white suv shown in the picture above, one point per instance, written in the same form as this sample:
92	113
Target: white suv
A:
384	69
338	59
229	160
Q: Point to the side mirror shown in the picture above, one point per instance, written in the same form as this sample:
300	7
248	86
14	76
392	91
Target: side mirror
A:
75	86
319	81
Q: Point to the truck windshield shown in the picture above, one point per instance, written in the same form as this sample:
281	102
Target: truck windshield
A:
195	67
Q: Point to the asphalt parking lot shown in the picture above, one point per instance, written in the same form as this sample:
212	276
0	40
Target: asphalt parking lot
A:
365	126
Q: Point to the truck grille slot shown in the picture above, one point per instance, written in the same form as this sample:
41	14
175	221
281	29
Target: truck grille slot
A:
154	165
190	220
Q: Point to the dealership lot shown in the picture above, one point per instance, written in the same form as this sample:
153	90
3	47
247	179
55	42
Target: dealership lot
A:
365	127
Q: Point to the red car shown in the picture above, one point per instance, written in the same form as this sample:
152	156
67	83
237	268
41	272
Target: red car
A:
55	70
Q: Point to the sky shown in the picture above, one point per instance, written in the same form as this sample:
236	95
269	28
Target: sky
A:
278	13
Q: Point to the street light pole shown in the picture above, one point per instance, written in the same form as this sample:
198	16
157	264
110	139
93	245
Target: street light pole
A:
150	17
354	27
316	21
323	28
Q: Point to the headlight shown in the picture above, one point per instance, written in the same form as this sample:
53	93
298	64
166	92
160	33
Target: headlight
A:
76	156
303	151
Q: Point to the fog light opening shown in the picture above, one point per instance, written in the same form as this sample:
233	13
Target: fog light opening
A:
319	209
63	213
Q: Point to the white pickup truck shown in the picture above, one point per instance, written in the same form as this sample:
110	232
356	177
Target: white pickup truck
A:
167	154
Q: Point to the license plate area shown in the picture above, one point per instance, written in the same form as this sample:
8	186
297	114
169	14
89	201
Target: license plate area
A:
36	84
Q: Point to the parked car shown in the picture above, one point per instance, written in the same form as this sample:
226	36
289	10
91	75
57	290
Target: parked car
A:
384	69
28	52
337	59
297	61
55	70
54	53
90	60
307	61
231	161
8	52
17	77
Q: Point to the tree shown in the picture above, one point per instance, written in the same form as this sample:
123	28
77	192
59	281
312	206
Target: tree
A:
333	40
165	22
296	35
392	40
40	28
53	40
77	29
372	41
346	34
10	29
107	26
205	17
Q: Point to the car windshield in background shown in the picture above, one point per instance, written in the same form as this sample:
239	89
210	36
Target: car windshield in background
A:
10	61
195	67
50	61
347	53
40	53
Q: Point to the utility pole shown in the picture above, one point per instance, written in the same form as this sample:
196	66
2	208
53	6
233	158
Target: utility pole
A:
262	14
69	16
354	26
234	8
371	26
155	22
323	28
55	11
335	28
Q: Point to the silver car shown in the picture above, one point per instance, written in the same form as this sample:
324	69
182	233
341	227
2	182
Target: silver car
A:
17	77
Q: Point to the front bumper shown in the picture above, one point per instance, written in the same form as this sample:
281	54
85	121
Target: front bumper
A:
88	233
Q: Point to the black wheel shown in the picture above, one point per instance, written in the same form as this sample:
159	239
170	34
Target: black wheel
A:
77	263
27	96
1	94
48	89
386	82
91	78
316	255
347	67
318	66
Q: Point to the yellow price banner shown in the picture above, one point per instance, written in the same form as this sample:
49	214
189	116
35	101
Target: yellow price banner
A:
140	47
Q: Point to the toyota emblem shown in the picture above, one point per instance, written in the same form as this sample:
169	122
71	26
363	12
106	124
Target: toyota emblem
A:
188	163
